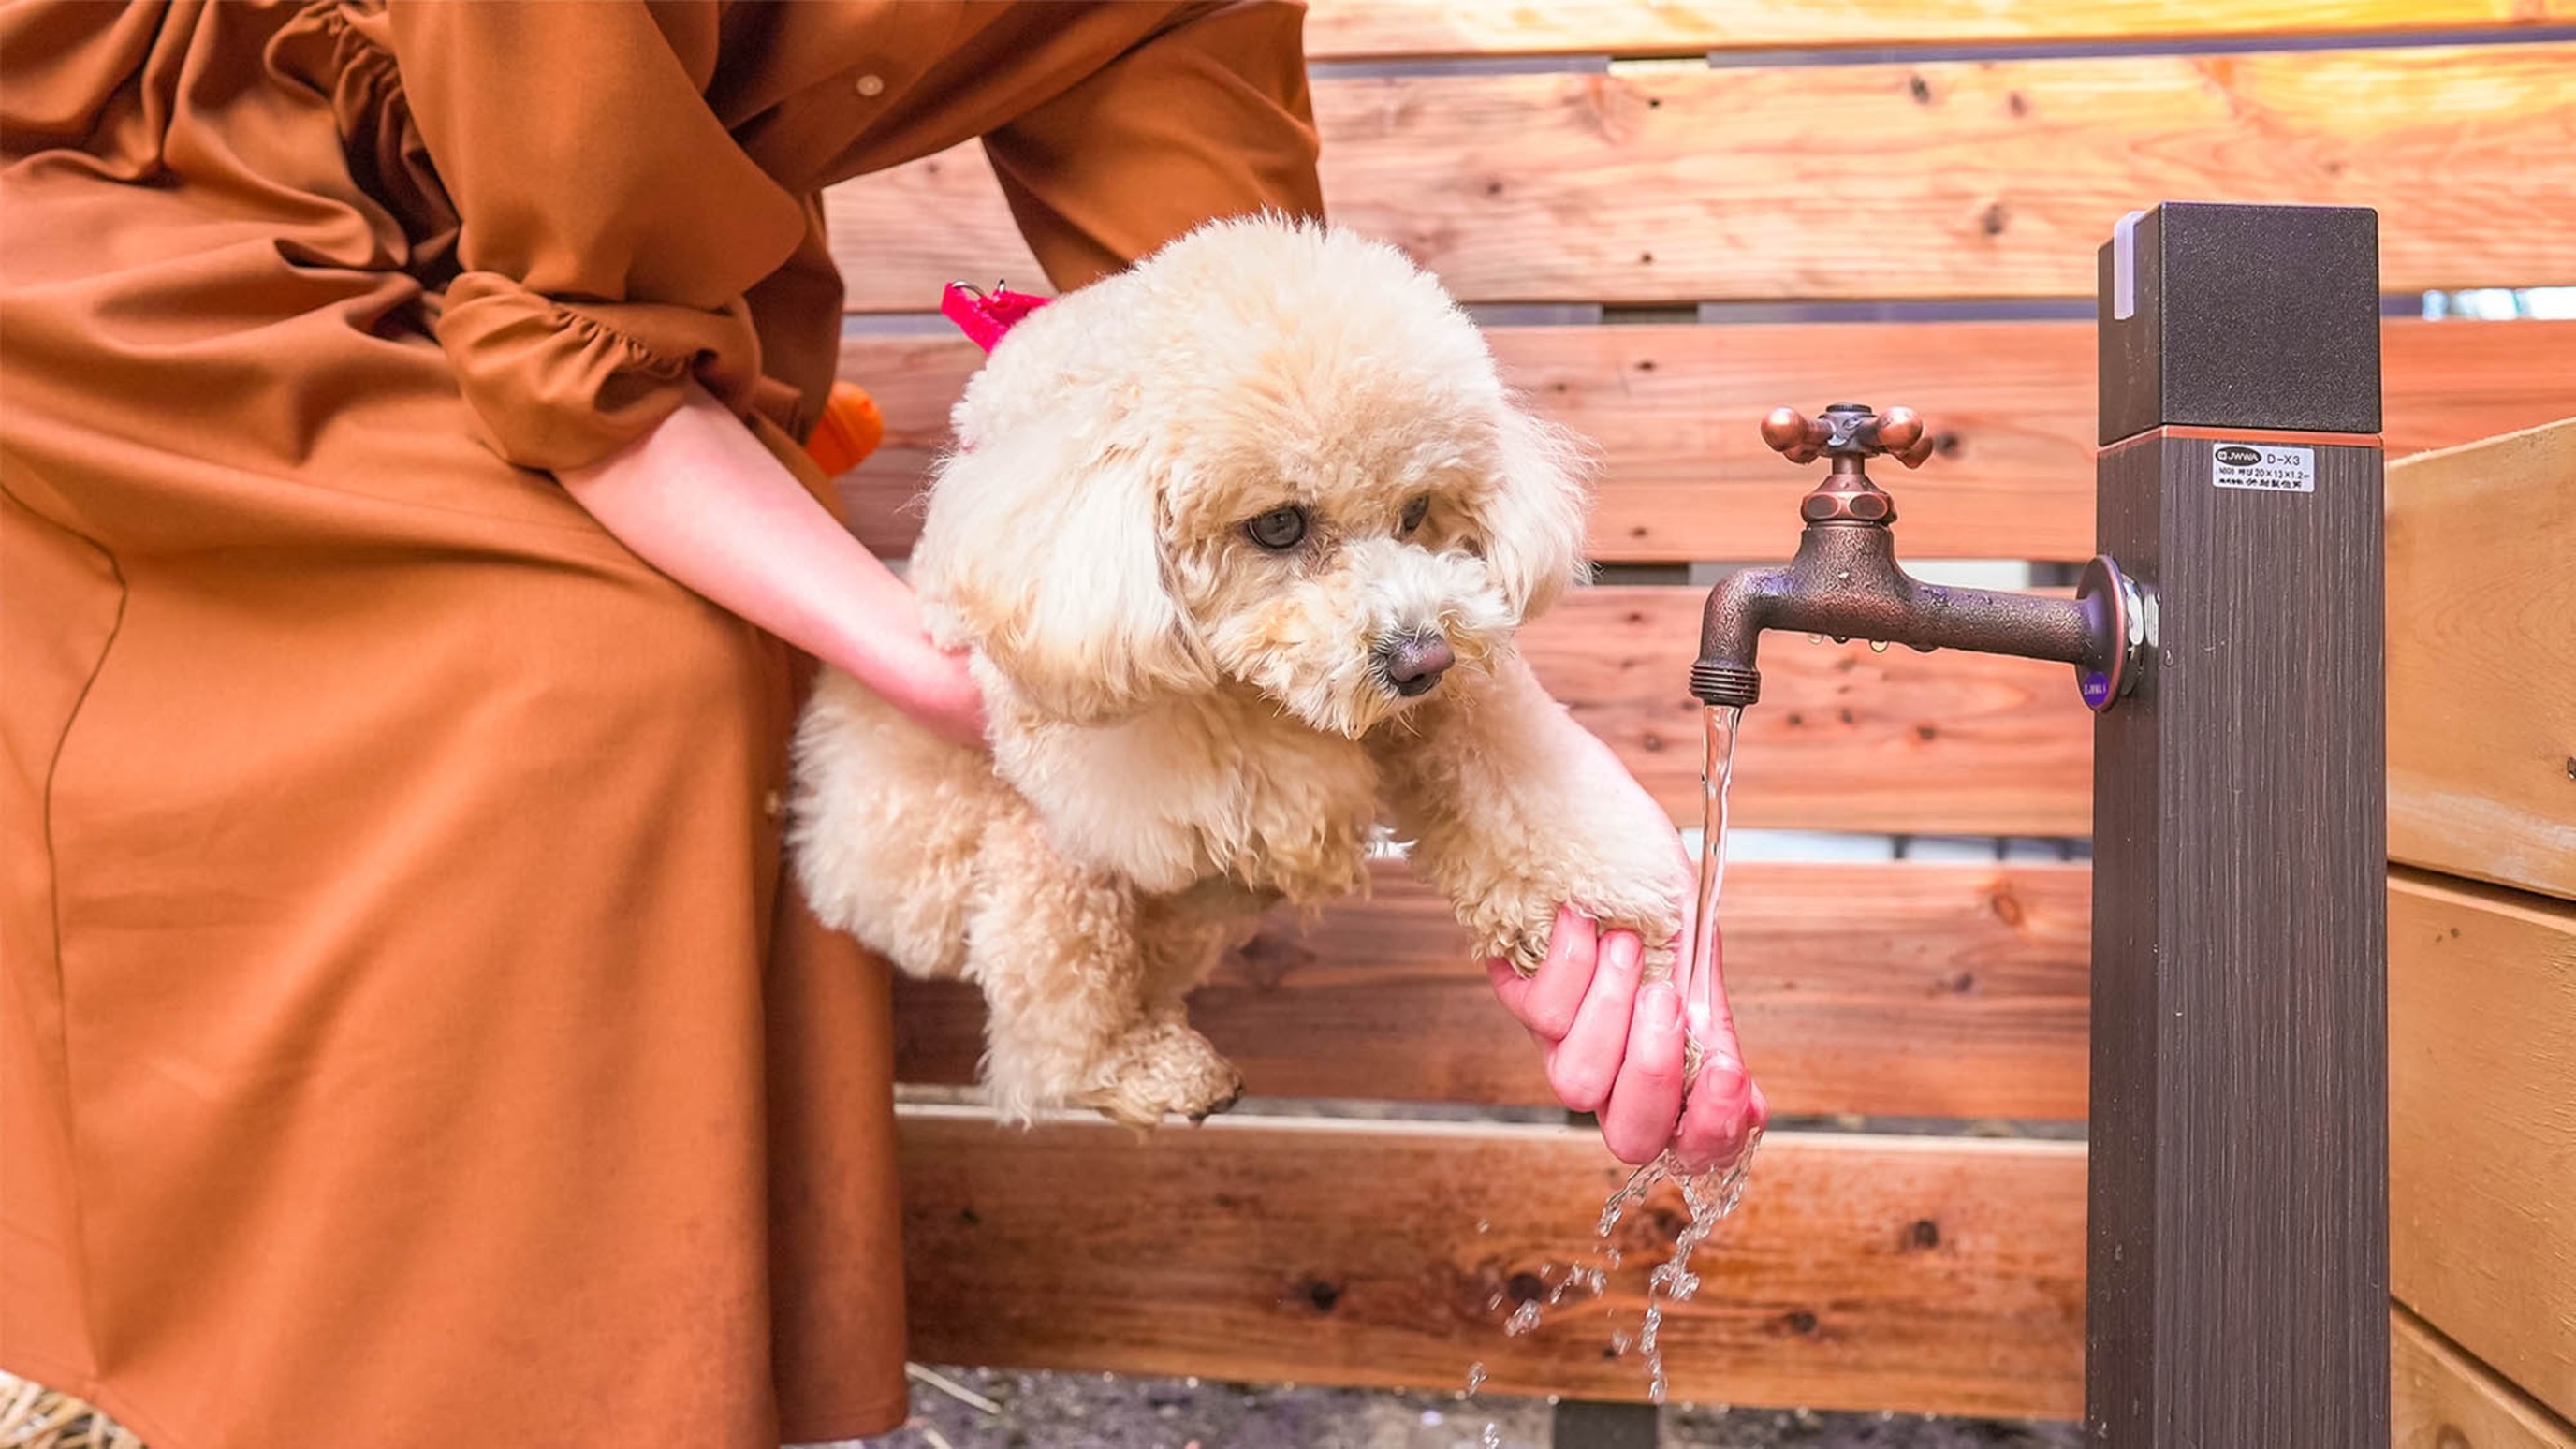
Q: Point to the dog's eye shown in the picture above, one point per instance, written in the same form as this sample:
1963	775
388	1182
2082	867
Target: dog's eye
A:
1280	528
1415	511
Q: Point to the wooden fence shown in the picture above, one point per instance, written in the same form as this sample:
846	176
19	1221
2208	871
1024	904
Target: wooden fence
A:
2482	938
1867	1269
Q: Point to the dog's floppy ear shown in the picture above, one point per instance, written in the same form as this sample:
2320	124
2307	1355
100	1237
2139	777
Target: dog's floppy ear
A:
1532	516
1050	560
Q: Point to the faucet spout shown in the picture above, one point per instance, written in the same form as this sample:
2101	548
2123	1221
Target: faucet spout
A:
1845	582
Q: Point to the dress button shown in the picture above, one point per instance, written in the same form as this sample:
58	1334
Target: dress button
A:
871	86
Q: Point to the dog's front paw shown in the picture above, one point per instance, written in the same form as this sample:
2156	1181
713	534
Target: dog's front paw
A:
1518	928
1654	922
1524	935
1161	1068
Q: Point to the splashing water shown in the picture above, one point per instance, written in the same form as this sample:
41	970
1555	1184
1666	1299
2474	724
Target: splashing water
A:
1523	1319
1493	1437
1475	1377
1710	1193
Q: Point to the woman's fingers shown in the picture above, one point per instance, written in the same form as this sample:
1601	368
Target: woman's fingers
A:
1546	1000
1719	1119
1558	988
1586	1062
1647	1096
1614	1047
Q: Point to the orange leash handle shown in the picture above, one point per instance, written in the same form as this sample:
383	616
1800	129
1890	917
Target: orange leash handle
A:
849	430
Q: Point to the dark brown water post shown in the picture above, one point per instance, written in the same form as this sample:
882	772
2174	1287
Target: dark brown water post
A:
2238	1280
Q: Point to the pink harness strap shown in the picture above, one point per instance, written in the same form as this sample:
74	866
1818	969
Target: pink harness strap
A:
984	317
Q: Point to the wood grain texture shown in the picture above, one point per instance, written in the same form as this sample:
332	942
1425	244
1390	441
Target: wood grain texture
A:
2482	659
1884	990
1376	29
2482	1124
1673	412
2440	1398
1993	179
1894	1273
2239	1218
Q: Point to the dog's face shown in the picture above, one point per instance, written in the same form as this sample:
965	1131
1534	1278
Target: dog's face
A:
1346	533
1269	455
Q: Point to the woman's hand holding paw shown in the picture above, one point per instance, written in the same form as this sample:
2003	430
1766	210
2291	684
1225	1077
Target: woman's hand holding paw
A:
1614	1045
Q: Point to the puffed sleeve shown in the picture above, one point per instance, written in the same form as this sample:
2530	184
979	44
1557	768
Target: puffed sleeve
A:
1208	117
610	225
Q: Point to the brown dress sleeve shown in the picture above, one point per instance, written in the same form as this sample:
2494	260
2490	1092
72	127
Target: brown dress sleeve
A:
1207	118
610	224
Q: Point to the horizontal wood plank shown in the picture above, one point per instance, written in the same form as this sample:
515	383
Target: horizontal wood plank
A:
2443	1399
1672	411
1844	738
1382	29
2482	1124
1882	1273
2482	658
1985	179
1890	990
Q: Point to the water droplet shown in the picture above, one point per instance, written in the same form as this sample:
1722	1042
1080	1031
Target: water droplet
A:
1877	646
1484	1225
1493	1437
1815	638
1475	1377
1523	1319
1842	638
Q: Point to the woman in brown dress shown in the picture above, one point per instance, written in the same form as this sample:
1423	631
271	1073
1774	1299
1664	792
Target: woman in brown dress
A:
405	1036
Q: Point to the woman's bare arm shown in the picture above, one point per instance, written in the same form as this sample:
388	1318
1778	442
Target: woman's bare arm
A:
700	499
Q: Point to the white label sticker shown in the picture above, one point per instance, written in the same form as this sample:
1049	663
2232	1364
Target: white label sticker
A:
2267	466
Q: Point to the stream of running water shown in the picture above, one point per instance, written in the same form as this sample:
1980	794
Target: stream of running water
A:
1710	1192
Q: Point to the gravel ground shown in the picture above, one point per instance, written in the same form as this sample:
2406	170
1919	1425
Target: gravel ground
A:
1102	1411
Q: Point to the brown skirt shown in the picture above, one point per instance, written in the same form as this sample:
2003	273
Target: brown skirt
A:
405	1036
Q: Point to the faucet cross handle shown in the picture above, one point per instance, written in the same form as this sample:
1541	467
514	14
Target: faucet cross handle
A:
1849	430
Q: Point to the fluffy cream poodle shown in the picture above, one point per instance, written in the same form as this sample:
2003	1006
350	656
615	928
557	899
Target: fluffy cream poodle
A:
1238	541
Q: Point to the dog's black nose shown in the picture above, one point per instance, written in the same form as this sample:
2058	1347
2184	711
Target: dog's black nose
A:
1414	662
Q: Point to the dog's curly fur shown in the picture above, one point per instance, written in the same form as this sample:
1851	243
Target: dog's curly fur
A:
1188	726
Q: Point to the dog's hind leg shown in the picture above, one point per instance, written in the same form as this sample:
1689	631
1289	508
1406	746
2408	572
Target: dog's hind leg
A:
1066	972
1186	935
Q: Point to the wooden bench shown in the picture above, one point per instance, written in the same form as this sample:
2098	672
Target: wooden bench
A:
1672	206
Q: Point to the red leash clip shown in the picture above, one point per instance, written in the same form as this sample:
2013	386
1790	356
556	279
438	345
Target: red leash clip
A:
985	317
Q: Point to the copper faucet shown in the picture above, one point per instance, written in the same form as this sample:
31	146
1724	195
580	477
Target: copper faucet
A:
1845	580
